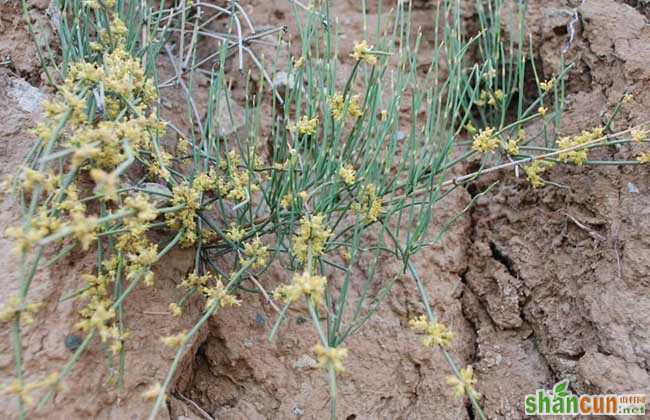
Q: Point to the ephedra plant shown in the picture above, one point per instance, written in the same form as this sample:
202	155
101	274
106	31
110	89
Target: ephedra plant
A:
340	162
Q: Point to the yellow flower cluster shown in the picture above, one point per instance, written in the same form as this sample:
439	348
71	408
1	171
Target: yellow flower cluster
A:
330	357
639	135
435	334
485	141
312	235
337	104
235	233
547	85
347	174
24	390
305	126
644	157
363	52
464	384
534	171
190	198
193	280
491	99
579	155
175	341
218	294
312	287
256	252
368	204
14	307
175	309
512	146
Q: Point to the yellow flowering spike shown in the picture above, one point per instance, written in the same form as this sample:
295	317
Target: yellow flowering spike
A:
312	287
337	104
84	228
534	171
286	201
312	235
512	146
368	204
547	85
485	141
347	174
435	334
464	384
578	156
644	157
235	233
638	135
194	280
174	341
256	252
218	294
306	126
299	63
31	179
175	310
363	52
18	388
330	357
144	210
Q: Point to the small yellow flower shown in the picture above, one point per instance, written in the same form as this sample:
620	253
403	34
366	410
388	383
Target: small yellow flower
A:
485	141
144	210
306	126
312	287
286	201
299	63
368	204
496	98
638	135
579	155
628	98
363	52
547	85
347	174
512	147
644	157
330	357
175	341
464	384
235	233
435	334
534	170
175	309
312	235
218	294
542	111
254	251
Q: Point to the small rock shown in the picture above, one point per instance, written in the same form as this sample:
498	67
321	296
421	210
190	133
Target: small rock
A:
304	362
27	96
631	188
72	342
